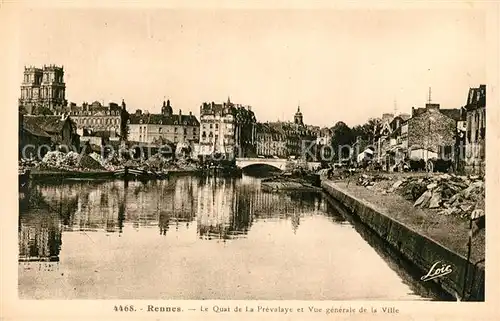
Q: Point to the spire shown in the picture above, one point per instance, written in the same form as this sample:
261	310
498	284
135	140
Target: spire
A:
228	100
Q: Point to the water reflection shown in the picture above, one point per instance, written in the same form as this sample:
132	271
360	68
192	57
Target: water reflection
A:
222	209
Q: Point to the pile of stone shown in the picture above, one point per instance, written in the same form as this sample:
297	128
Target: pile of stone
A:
25	164
56	160
452	195
370	181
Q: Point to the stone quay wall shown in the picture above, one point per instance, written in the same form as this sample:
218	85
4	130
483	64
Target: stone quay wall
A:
418	249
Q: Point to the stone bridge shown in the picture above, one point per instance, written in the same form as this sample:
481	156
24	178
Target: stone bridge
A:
279	163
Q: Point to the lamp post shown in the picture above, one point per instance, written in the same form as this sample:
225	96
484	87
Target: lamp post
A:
475	216
431	120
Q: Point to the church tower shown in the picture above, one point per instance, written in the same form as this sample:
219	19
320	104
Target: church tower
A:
43	87
166	109
298	118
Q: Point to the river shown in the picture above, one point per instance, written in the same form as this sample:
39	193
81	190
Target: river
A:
197	238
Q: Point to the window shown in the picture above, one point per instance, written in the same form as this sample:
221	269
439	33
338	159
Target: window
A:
210	126
175	129
159	130
216	126
185	131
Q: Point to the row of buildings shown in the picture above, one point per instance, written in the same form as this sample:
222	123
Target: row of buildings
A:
432	132
46	118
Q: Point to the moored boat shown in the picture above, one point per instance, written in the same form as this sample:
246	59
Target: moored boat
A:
138	174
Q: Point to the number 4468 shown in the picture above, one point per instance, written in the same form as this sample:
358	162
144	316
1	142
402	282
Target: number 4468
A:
124	308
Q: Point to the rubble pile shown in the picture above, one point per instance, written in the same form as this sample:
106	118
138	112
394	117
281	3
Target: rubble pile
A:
72	161
56	160
455	195
25	164
449	194
370	181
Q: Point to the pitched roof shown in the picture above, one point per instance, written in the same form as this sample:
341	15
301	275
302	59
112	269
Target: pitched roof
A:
476	98
418	111
213	108
405	117
34	129
159	119
48	124
455	114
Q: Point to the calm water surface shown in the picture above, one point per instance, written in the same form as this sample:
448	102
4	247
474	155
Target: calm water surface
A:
194	238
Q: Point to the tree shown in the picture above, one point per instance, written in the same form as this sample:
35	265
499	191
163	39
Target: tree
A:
342	137
366	131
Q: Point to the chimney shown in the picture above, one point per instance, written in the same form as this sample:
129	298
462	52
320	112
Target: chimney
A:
431	106
190	114
180	116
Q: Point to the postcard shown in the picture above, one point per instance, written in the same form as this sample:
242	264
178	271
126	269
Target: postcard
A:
247	160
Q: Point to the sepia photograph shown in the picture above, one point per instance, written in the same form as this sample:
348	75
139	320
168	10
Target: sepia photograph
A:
251	154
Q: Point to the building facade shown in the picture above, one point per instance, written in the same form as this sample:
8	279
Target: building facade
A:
42	90
475	134
429	131
324	137
286	139
98	120
163	128
270	141
217	129
60	129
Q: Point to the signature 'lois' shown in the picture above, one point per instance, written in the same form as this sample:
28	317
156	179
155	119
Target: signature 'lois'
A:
436	272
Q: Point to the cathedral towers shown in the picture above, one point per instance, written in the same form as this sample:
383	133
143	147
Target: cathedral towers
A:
43	87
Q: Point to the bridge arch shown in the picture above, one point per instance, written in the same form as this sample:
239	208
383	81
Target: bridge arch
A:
263	165
274	162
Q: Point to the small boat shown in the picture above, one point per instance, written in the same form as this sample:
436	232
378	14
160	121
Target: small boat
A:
138	174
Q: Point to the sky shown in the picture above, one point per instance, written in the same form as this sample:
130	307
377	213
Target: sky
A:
339	65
